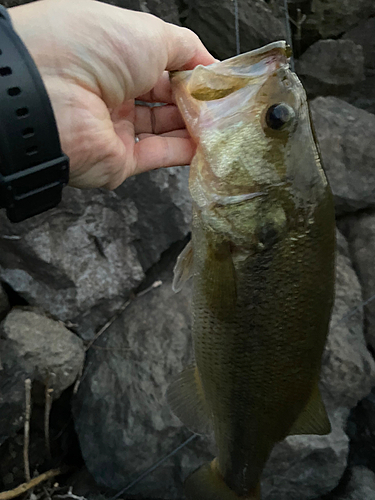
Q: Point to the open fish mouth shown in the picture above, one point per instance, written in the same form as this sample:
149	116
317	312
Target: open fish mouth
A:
235	73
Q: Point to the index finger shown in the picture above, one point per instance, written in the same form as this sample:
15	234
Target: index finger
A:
162	92
185	50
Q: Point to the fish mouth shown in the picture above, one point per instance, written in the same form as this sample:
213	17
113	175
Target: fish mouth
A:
245	64
207	83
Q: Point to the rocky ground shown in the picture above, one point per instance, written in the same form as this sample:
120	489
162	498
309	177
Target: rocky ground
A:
91	332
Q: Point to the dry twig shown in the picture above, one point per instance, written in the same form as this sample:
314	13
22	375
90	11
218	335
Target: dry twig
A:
22	488
26	437
47	410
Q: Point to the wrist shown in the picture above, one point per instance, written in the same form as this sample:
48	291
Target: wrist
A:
33	168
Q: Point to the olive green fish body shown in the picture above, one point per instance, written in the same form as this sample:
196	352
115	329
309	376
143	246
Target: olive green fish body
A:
259	358
262	261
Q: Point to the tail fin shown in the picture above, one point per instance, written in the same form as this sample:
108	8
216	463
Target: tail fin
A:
206	483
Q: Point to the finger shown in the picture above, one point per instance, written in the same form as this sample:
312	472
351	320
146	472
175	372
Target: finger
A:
184	48
162	92
155	152
157	120
183	133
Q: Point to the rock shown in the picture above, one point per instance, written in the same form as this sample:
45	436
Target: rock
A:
348	369
166	11
363	95
363	34
123	387
4	302
334	17
303	467
346	139
361	485
127	373
361	430
80	261
360	231
36	347
330	67
213	21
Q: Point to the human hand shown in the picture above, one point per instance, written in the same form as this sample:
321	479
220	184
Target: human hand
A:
95	60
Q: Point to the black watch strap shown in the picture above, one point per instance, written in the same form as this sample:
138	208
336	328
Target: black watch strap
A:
33	169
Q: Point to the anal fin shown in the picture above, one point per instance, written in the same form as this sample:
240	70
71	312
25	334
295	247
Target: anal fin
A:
313	419
186	399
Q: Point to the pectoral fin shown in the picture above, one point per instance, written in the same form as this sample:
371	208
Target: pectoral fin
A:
183	270
314	418
186	398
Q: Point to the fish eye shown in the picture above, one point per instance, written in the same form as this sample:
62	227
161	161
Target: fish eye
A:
278	116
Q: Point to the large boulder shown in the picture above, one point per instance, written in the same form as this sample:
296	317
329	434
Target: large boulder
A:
331	67
334	17
346	139
214	22
127	372
121	398
36	347
363	34
80	261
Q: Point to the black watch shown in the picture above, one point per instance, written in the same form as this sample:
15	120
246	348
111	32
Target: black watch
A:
33	169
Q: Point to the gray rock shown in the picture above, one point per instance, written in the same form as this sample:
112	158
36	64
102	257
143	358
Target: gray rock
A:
43	347
213	21
303	467
348	369
361	485
36	347
166	11
80	261
4	302
123	388
346	139
331	67
363	34
127	374
361	431
334	17
360	231
363	95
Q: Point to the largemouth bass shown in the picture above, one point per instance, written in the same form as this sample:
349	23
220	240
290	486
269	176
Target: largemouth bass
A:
262	262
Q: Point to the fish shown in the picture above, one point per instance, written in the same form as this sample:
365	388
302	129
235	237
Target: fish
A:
262	261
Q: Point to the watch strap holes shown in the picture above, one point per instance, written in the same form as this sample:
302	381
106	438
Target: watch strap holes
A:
27	132
5	71
32	150
13	91
21	112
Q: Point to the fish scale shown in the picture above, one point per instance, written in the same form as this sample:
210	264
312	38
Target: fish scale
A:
262	263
